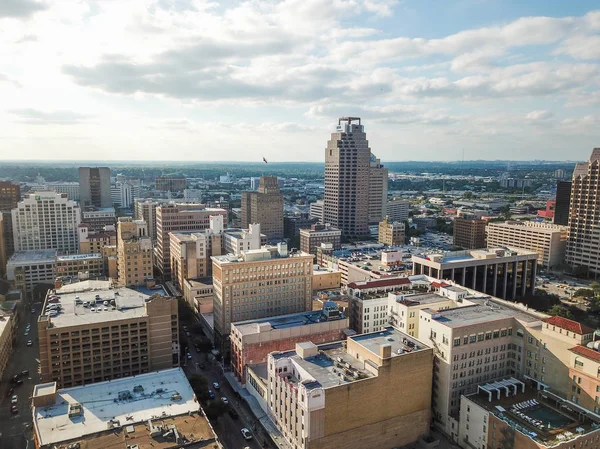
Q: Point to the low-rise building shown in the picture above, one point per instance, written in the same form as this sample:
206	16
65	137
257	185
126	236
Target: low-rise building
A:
391	233
157	410
92	242
325	278
26	269
293	224
82	266
199	294
317	234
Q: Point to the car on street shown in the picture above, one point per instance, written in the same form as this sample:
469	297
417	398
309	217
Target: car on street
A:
225	400
216	385
187	334
211	394
185	328
14	399
246	434
14	409
26	333
32	310
10	392
233	413
189	356
19	382
29	343
25	372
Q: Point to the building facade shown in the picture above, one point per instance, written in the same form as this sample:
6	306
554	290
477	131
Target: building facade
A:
397	209
469	233
94	187
123	193
391	233
264	206
6	341
563	203
378	190
347	179
317	211
95	241
46	220
81	266
312	238
134	252
26	269
144	209
293	224
170	183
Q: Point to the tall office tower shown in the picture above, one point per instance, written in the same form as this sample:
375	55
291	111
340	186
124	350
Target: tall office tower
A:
125	191
563	202
170	183
3	258
94	187
347	173
469	232
583	245
46	220
179	217
378	190
134	252
10	195
265	206
146	210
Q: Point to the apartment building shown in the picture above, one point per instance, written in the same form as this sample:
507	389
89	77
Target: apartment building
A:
375	392
347	179
253	340
548	240
134	252
95	241
259	284
502	272
397	209
317	211
103	333
99	218
94	187
264	206
170	183
563	202
175	217
312	238
145	209
46	220
391	233
469	233
378	190
26	269
6	341
584	367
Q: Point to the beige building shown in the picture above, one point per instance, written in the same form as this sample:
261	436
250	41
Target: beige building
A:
94	241
145	209
469	233
548	240
26	269
378	190
81	266
134	252
104	333
325	279
391	233
264	206
584	366
397	209
2	248
199	294
347	179
179	217
317	211
312	238
6	340
373	392
258	284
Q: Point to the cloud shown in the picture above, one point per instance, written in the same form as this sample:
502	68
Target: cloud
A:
4	78
581	47
20	9
36	117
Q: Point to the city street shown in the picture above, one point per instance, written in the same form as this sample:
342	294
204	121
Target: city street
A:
16	428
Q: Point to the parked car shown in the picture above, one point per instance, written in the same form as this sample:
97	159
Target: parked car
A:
14	399
246	434
29	343
19	382
211	394
10	392
25	372
14	410
216	385
225	400
32	310
189	356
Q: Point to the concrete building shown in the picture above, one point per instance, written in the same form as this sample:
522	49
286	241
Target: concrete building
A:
548	240
134	252
95	241
157	409
584	366
94	187
6	341
144	209
26	269
99	219
123	193
469	233
199	294
259	284
293	224
347	179
2	248
312	238
10	195
583	246
264	206
237	240
397	209
391	233
563	201
45	220
170	183
105	333
325	279
378	190
81	266
375	392
317	211
253	340
70	188
503	272
175	217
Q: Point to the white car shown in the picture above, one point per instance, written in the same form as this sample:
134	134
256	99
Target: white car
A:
29	343
246	434
225	400
216	385
14	399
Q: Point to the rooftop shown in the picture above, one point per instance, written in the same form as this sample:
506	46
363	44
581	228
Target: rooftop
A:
115	405
71	257
379	283
569	325
420	299
586	352
33	256
477	254
400	342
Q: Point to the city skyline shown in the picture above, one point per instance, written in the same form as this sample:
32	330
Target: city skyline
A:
476	80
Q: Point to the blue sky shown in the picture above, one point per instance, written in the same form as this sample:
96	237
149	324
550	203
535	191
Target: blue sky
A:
205	80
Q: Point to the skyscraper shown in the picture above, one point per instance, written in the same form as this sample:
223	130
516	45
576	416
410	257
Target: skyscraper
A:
265	206
94	187
145	209
563	200
378	190
134	256
347	173
10	194
583	245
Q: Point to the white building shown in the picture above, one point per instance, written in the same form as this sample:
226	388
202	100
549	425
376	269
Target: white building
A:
194	195
237	240
45	220
317	210
124	192
70	188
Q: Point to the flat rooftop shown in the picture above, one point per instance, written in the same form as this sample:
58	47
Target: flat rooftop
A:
421	298
484	254
149	291
73	257
33	256
115	405
401	343
44	389
249	327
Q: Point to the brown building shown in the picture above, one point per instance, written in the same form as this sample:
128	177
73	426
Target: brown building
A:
265	206
378	190
170	183
179	217
312	238
94	187
10	195
134	252
347	179
391	233
469	233
103	333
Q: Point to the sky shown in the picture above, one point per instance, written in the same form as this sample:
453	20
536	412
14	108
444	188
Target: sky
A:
204	80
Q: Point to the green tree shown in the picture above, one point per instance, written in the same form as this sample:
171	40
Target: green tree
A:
214	409
558	310
200	386
584	292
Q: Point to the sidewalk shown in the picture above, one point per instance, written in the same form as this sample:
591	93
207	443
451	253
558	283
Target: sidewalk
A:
260	415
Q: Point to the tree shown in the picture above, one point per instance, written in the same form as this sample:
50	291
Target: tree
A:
214	409
584	292
558	310
468	195
595	286
200	386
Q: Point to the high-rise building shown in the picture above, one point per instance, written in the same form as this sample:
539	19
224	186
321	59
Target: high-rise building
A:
312	238
46	220
105	333
264	206
3	258
378	190
179	217
397	209
6	340
583	245
134	252
347	175
282	286
563	203
469	233
10	195
70	188
170	183
317	211
94	187
145	209
391	233
125	191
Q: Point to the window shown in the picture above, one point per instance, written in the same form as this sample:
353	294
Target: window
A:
457	342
